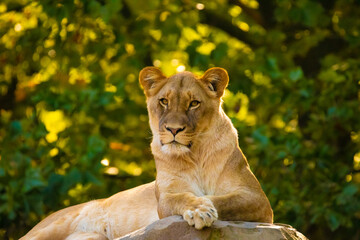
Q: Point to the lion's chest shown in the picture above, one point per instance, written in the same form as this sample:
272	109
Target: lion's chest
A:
204	181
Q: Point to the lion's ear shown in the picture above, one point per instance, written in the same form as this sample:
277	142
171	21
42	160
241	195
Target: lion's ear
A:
216	79
148	78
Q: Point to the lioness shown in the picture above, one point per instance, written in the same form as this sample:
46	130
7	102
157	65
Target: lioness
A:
202	174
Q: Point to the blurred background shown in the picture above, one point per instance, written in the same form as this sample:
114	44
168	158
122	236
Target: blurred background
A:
73	120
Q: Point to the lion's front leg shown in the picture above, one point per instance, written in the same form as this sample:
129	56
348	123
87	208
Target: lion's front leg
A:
243	205
197	211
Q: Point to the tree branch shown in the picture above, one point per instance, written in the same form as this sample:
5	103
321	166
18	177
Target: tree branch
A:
212	19
310	64
266	9
7	101
253	13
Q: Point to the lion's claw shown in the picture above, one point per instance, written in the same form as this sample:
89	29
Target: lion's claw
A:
202	215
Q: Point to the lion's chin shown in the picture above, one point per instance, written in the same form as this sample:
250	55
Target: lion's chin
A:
175	148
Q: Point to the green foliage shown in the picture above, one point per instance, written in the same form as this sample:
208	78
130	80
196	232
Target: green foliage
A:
73	121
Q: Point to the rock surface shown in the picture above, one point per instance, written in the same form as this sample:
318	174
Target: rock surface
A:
174	227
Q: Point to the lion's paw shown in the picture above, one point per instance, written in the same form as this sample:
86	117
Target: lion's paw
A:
202	215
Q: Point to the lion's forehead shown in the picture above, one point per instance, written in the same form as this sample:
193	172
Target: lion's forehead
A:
182	87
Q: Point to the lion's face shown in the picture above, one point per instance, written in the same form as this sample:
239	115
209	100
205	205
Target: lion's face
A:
182	106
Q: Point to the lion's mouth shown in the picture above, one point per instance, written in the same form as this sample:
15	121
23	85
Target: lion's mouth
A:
174	142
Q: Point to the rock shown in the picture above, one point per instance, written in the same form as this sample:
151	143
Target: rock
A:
175	227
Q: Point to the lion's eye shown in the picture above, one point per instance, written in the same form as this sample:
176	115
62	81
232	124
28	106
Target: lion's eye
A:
163	102
194	104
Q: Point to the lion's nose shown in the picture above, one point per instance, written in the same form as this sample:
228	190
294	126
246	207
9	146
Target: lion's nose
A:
174	131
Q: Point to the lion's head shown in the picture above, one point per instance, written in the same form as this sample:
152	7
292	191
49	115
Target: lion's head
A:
181	107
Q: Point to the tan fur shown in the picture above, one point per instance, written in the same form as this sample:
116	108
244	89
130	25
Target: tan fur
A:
108	218
202	174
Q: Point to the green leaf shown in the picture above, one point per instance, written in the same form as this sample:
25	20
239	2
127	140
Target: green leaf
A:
333	221
350	190
2	172
71	179
261	137
296	74
16	127
31	184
